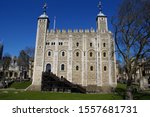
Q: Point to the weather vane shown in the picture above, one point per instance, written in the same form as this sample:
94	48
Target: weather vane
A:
100	6
45	7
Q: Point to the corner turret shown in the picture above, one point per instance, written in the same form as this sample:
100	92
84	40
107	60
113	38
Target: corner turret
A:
42	27
101	20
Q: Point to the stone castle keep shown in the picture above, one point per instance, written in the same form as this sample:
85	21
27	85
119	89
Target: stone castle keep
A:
84	57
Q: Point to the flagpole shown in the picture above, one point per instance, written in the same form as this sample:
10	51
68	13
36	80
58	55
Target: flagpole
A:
54	23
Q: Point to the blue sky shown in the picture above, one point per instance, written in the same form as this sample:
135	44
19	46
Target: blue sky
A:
18	18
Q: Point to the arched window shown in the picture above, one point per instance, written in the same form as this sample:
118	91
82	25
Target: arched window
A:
104	44
77	44
77	54
104	54
47	43
49	53
63	53
91	44
48	68
91	68
62	67
91	54
77	68
105	68
60	43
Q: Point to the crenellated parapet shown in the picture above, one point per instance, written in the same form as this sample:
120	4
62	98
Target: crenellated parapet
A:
63	31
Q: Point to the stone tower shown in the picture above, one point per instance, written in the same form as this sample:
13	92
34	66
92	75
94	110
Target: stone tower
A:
42	27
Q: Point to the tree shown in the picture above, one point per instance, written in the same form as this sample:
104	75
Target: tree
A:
23	63
132	36
6	62
30	51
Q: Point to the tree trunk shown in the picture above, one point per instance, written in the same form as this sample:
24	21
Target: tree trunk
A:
129	94
129	90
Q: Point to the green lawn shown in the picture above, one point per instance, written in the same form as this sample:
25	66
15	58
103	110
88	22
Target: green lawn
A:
20	85
16	92
26	95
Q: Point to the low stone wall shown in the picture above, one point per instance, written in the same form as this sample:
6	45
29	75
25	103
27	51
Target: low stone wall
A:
98	89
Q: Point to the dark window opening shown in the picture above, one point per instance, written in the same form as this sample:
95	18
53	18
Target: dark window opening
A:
63	53
60	43
91	54
16	75
105	68
104	54
49	53
104	44
62	67
90	44
47	43
149	80
77	54
77	68
91	68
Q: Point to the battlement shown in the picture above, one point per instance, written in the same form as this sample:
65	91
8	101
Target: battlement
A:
63	31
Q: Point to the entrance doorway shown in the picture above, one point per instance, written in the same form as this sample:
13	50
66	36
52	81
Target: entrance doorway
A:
48	68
